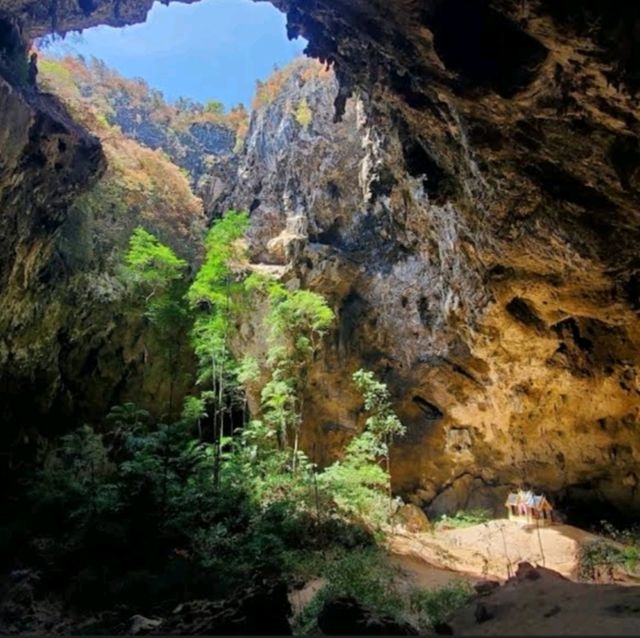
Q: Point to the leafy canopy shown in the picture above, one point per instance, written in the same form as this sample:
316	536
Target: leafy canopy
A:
383	422
151	261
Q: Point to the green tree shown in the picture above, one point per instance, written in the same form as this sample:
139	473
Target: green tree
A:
214	107
297	321
161	275
357	484
194	411
215	298
382	423
75	480
128	417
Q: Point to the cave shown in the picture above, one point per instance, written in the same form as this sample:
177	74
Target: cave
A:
421	165
431	411
485	49
522	311
252	323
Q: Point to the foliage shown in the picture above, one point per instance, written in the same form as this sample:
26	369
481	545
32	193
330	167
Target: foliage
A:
73	478
381	426
430	607
215	107
382	422
602	555
304	70
296	323
465	518
140	185
128	417
124	513
304	114
160	275
194	409
364	575
103	89
357	484
152	262
628	535
222	251
215	297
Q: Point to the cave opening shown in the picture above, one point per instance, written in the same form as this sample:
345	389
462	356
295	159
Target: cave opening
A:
135	516
211	50
584	505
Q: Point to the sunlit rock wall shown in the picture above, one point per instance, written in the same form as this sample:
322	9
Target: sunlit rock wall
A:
479	239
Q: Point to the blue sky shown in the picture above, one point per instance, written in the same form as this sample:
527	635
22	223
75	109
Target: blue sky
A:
214	49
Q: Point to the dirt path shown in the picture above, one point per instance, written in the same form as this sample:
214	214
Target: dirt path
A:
417	573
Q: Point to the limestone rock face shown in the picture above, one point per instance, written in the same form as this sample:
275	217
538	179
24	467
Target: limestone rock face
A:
503	325
47	159
195	149
477	232
73	339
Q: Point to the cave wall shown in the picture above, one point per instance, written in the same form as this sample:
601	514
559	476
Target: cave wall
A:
482	251
483	256
510	364
73	338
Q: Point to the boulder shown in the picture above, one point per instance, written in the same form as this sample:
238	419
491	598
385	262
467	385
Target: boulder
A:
141	625
345	616
413	519
262	608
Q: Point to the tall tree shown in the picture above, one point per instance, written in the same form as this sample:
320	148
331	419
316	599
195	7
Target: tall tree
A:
297	322
382	423
161	276
215	297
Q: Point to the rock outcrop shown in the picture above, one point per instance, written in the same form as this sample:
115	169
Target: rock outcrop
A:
503	295
479	239
346	616
508	344
74	340
540	602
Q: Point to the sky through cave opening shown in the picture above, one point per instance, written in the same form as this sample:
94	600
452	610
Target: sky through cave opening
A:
209	50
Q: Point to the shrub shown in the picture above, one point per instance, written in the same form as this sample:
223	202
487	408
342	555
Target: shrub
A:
430	607
464	518
602	555
365	575
304	115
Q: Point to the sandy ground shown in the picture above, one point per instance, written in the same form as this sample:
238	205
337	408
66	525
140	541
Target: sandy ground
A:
551	606
494	549
416	573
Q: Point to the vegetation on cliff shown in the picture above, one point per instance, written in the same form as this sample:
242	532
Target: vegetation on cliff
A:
192	506
192	500
140	185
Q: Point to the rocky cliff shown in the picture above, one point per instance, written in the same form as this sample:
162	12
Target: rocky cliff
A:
477	231
74	339
192	137
479	237
510	356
